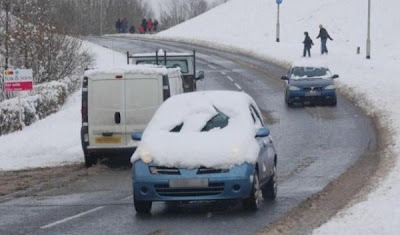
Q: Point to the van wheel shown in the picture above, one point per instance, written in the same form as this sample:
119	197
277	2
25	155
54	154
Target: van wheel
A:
90	160
253	202
142	207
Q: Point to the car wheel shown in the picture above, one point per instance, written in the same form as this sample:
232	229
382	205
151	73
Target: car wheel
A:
270	189
142	207
253	202
90	160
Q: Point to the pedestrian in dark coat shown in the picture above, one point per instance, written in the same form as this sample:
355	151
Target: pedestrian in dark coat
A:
132	29
144	24
124	25
308	43
155	25
118	25
324	35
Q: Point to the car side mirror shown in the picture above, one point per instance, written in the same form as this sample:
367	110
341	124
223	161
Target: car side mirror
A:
335	76
200	75
137	136
284	78
262	132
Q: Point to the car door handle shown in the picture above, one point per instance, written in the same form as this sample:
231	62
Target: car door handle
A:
117	117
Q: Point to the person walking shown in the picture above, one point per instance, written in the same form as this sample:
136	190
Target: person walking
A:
132	29
308	43
155	25
124	25
324	35
149	25
118	25
144	24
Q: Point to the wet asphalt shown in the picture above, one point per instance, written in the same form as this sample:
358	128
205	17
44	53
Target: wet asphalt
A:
315	145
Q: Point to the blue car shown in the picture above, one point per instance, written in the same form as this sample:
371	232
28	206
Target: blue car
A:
313	84
209	145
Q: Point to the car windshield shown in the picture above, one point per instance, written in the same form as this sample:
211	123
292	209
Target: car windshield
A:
218	121
309	72
170	63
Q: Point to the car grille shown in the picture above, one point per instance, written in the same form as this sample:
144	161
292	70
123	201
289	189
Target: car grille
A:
205	170
313	88
167	170
212	189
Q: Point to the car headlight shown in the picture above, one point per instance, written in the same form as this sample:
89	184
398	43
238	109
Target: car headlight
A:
330	87
293	88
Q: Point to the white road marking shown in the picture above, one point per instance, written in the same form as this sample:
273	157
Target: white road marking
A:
237	85
213	67
223	73
72	217
230	79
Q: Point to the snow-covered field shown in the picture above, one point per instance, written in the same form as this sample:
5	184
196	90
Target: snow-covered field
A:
55	140
250	26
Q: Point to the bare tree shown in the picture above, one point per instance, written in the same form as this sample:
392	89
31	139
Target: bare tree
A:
178	11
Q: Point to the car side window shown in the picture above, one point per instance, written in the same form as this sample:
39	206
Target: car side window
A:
256	116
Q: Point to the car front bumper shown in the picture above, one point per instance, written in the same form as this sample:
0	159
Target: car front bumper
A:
322	97
235	184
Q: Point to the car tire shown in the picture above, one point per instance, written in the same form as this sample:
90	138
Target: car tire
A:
253	202
90	160
142	207
270	189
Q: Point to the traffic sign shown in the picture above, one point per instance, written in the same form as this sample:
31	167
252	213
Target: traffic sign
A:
279	1
18	80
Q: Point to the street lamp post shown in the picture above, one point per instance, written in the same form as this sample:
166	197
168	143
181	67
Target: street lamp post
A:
101	17
369	31
278	30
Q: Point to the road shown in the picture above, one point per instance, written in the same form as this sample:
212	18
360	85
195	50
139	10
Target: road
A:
315	145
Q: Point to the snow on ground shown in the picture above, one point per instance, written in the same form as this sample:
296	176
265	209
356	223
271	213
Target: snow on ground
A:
55	140
250	26
158	6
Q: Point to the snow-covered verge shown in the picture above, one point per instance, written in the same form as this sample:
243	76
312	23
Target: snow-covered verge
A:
54	140
248	26
45	99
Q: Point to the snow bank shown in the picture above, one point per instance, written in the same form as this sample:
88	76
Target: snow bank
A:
45	99
248	26
190	147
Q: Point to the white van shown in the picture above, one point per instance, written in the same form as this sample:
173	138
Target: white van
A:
119	101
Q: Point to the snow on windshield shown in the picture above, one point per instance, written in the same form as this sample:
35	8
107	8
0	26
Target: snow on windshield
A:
210	129
310	72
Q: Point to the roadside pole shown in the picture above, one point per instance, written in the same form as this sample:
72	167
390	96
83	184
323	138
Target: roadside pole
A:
21	124
101	17
278	26
369	31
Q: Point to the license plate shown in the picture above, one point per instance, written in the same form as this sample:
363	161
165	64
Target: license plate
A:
108	140
188	183
313	93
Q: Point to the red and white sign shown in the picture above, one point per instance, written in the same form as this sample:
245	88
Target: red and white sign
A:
18	80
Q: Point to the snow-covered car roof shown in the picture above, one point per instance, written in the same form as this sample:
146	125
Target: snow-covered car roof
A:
191	147
147	69
306	69
161	54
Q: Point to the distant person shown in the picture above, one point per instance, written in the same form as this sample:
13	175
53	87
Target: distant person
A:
144	24
323	34
149	25
124	25
118	25
308	43
132	29
141	29
155	25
